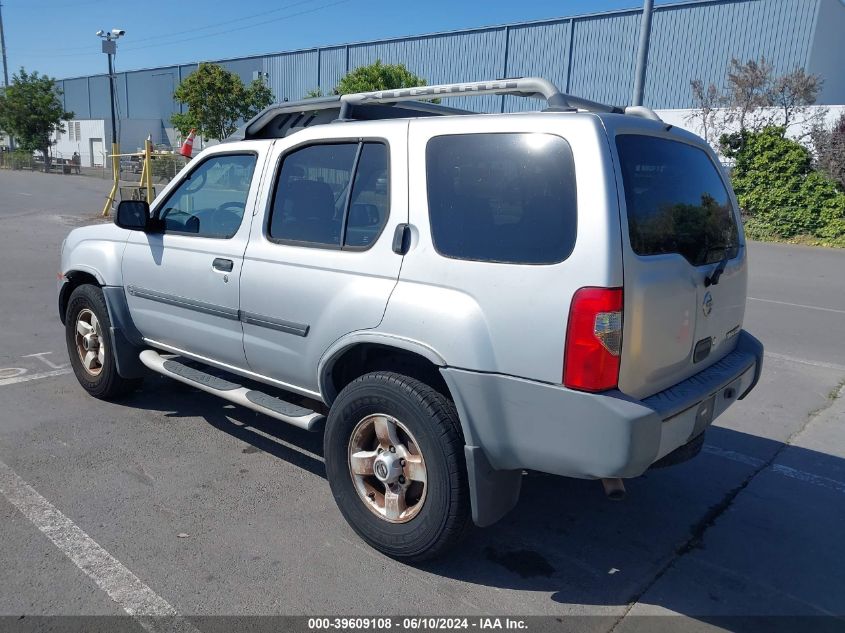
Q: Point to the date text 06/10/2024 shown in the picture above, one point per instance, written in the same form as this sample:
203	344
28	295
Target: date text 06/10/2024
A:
418	623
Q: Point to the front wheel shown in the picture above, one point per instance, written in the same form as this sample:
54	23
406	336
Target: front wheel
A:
89	345
395	463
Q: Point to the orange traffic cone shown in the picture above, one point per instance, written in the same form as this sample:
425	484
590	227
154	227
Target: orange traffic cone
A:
188	146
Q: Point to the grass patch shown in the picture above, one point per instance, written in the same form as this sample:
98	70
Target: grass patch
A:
802	240
836	391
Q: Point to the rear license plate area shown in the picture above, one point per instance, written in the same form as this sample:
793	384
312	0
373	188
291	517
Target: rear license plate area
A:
703	416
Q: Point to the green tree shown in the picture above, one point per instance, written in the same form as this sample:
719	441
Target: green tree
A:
780	192
31	111
217	99
378	76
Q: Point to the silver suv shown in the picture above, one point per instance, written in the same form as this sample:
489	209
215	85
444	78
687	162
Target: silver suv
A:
452	298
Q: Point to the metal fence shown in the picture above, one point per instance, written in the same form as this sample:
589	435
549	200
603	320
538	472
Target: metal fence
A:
24	161
165	167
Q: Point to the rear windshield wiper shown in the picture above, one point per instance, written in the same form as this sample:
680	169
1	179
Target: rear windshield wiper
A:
713	278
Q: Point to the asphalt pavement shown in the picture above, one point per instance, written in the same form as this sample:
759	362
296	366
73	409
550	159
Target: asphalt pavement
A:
217	510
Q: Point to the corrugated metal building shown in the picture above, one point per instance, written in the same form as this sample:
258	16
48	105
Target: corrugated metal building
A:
589	55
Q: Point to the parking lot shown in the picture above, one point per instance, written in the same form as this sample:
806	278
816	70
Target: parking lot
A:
216	510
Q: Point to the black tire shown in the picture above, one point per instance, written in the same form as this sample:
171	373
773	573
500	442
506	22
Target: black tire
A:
444	517
107	384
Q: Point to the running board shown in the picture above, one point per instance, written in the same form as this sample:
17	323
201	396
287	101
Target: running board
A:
233	392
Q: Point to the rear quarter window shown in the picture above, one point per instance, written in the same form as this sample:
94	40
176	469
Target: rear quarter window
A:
506	198
676	200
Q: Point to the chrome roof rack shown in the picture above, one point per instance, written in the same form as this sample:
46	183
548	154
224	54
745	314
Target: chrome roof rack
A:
531	87
286	118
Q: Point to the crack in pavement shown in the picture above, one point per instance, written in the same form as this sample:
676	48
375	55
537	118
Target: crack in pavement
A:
717	510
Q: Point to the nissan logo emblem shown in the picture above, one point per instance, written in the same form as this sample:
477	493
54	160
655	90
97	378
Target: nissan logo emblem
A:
707	304
381	470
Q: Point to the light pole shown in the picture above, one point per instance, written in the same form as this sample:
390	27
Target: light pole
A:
642	53
5	67
109	48
3	48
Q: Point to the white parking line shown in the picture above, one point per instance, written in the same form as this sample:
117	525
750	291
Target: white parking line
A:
40	356
797	305
804	361
733	455
27	377
153	612
780	469
810	478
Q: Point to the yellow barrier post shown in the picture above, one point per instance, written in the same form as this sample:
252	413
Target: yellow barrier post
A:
148	169
143	170
115	162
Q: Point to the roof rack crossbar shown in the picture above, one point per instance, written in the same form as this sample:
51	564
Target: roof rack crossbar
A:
274	115
531	87
280	120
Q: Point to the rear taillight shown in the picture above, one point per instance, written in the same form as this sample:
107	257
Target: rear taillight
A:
593	340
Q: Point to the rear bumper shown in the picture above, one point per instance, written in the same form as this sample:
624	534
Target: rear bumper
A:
521	424
730	379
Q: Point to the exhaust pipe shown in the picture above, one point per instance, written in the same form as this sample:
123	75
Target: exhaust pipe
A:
614	488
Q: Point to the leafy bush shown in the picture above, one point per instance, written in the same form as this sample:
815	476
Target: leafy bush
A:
780	192
217	99
166	166
830	150
378	76
18	159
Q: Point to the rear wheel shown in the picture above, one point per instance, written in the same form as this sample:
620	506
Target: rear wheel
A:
395	464
89	345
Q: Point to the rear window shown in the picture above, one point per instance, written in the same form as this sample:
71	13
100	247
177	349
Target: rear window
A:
502	197
676	200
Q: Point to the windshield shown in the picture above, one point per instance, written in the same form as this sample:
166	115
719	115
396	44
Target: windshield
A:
676	200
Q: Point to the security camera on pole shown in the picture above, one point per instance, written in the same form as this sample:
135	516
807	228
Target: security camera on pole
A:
110	48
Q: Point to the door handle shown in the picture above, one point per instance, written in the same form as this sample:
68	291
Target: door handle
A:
223	265
402	239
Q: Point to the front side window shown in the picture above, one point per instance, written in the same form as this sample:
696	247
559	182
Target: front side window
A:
506	198
211	201
676	200
331	195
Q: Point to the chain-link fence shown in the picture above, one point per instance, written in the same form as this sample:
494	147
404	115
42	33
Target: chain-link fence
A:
19	160
164	166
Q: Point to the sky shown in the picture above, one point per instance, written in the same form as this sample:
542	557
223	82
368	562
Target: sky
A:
57	37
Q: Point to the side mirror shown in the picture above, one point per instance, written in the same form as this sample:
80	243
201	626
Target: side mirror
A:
133	215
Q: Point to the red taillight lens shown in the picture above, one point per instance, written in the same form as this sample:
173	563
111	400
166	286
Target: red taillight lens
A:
593	340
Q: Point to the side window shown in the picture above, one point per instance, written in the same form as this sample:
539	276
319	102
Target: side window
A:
506	198
368	208
318	201
212	200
